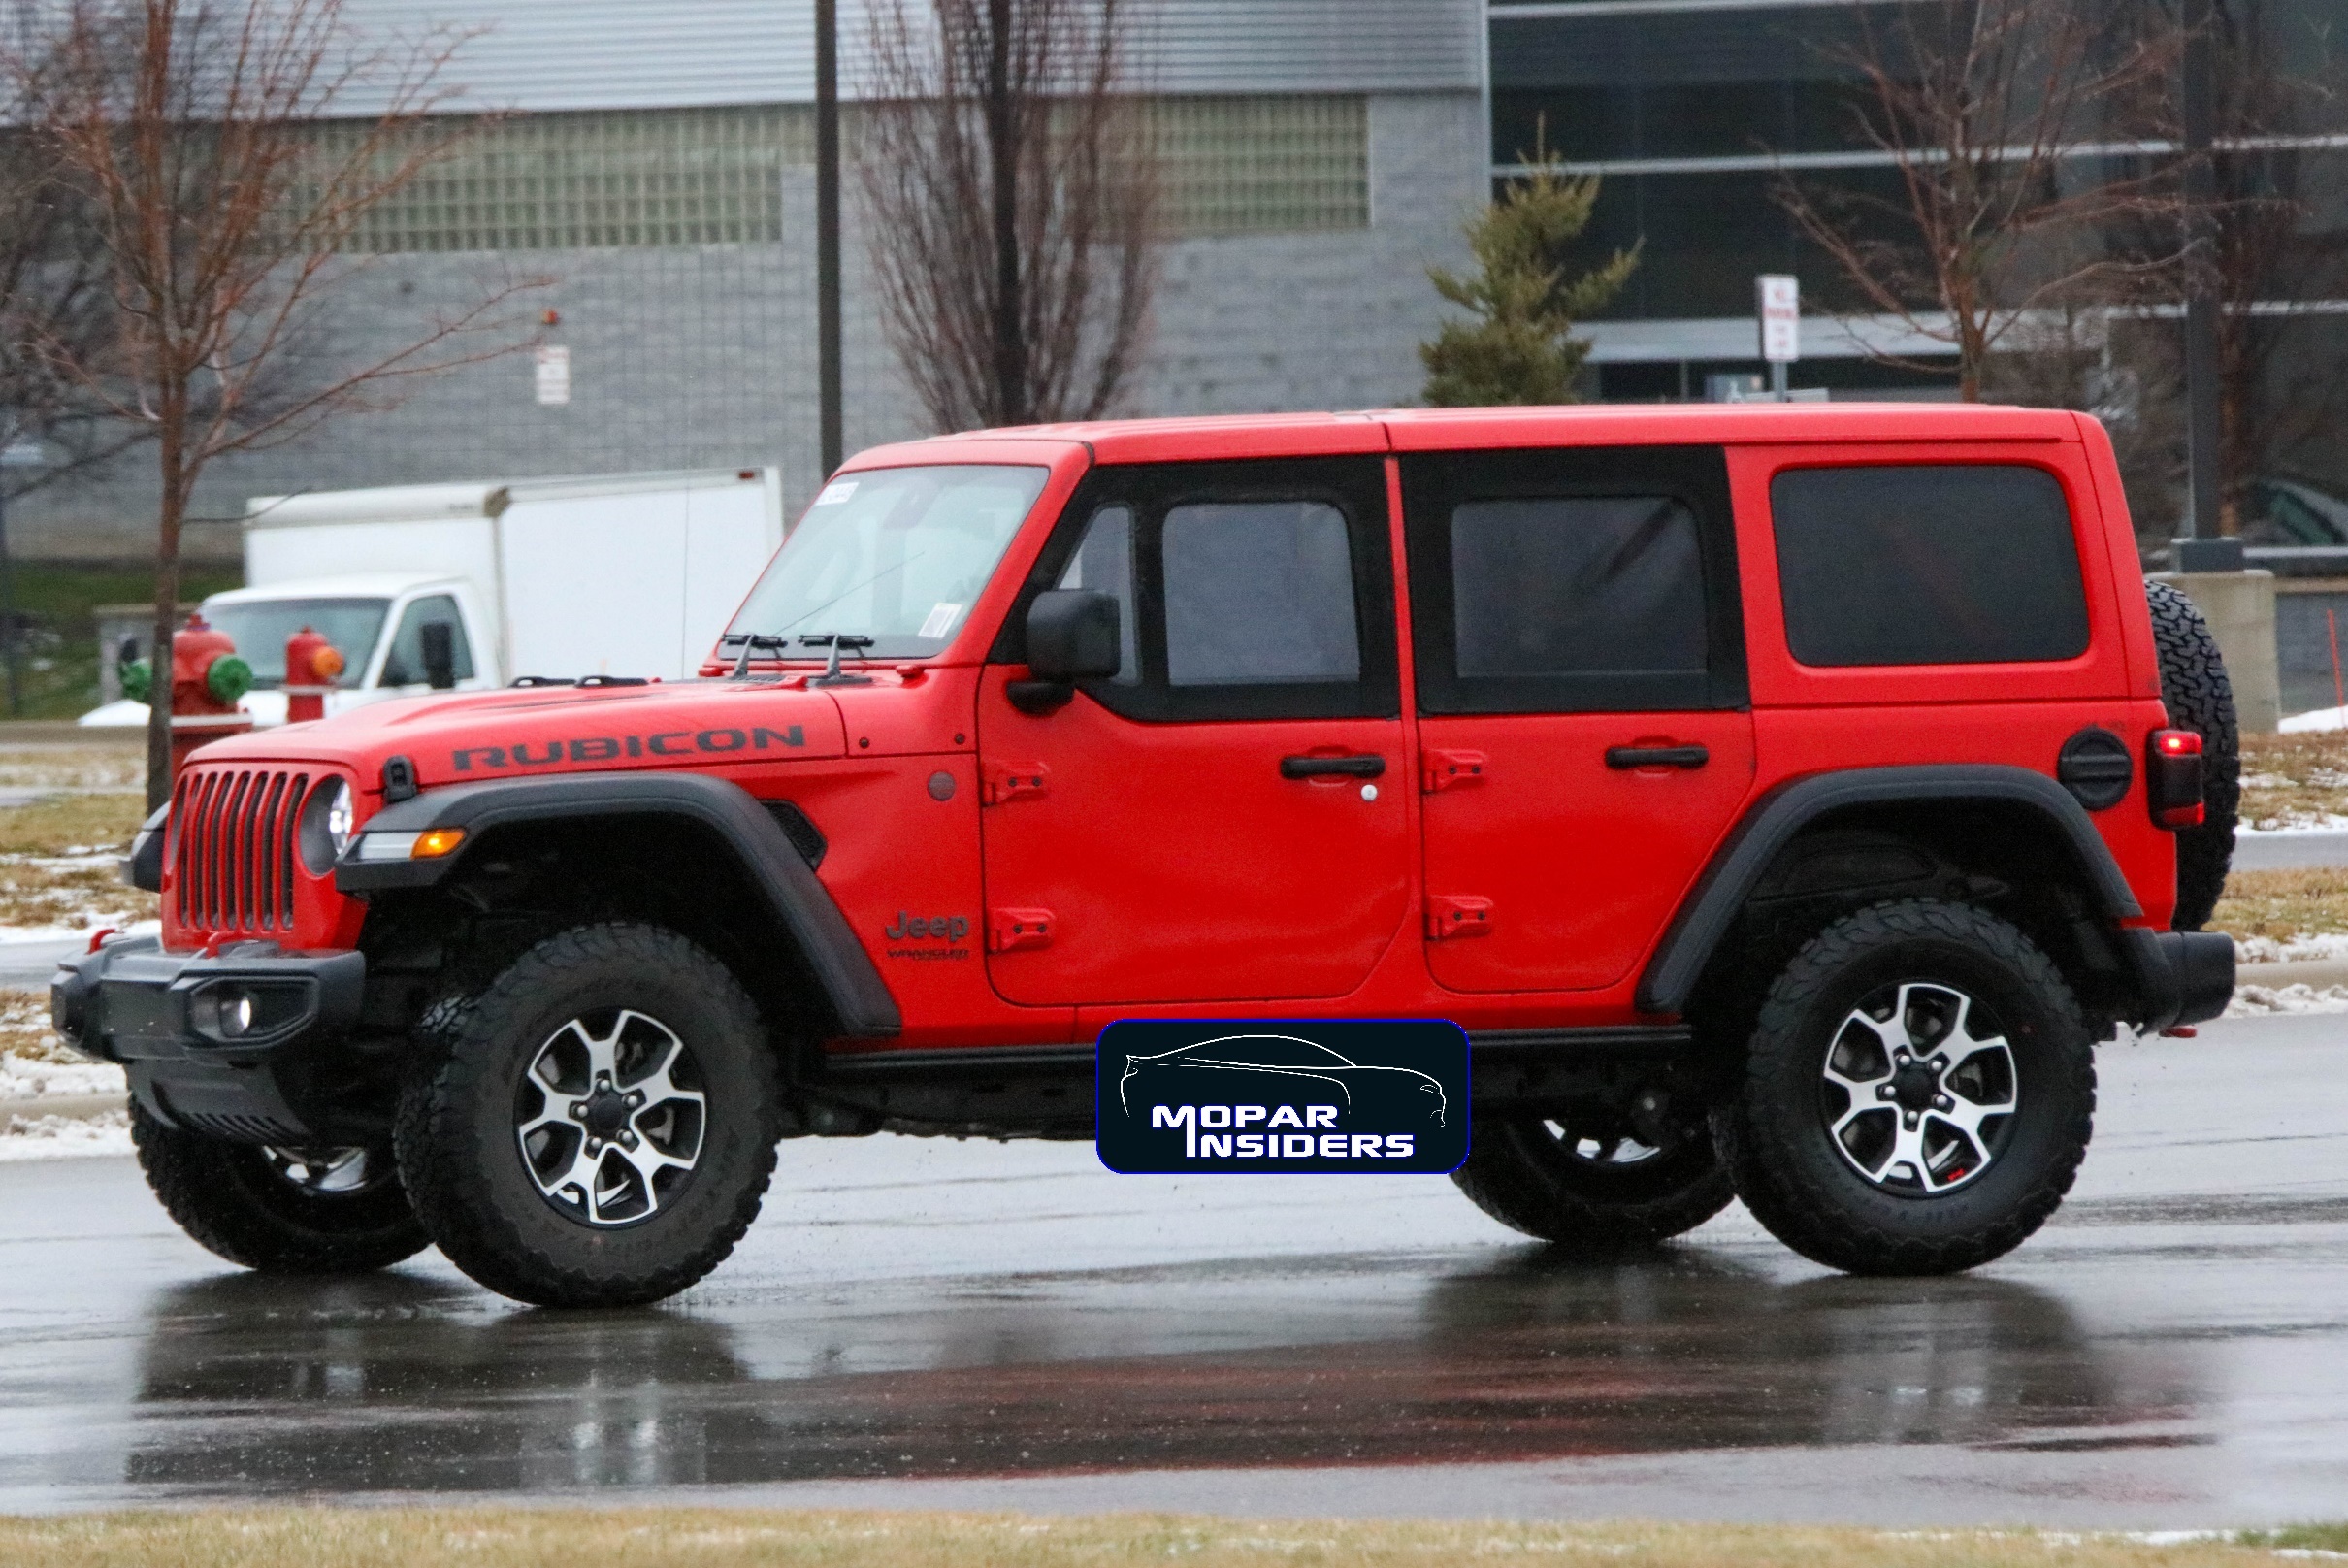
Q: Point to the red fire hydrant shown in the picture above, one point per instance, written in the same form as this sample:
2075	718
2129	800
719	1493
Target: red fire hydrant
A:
313	666
207	681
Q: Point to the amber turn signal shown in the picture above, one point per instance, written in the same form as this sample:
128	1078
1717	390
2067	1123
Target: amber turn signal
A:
435	842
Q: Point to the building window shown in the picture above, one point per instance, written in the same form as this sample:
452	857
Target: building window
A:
690	176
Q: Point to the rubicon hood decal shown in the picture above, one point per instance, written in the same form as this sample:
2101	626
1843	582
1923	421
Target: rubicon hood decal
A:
605	748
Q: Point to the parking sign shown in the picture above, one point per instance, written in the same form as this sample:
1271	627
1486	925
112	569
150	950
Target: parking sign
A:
1780	301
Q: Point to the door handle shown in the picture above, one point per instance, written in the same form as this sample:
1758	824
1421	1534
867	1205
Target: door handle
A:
1360	766
1621	756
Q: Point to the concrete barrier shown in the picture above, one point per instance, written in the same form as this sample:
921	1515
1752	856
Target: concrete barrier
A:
2239	606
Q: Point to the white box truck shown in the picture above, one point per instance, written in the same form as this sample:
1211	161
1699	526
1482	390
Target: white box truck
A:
614	574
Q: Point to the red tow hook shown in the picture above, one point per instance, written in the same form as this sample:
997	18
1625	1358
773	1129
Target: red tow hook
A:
97	938
2180	1031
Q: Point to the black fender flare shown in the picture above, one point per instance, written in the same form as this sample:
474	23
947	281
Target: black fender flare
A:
1736	866
841	968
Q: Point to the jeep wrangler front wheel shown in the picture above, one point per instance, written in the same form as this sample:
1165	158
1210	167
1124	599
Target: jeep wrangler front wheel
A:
280	1211
1591	1182
596	1126
1917	1093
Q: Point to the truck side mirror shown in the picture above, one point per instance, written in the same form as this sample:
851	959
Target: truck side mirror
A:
1073	634
438	640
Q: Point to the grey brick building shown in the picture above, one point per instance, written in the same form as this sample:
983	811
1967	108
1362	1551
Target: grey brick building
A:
1322	153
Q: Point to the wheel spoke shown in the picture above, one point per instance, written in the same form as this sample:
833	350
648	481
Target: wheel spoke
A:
656	1125
1927	1042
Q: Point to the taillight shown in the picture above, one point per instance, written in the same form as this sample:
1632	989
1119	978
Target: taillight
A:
2173	777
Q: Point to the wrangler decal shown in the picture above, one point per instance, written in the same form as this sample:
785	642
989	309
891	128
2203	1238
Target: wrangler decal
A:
604	748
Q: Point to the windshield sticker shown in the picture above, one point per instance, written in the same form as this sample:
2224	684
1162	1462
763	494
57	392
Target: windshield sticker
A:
940	620
835	493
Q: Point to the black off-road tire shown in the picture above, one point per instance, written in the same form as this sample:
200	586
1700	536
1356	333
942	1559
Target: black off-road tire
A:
2200	698
457	1135
1774	1135
236	1205
1524	1175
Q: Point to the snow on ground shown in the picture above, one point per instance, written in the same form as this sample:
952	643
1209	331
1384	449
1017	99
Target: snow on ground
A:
64	1137
2268	950
2258	1001
23	1078
2322	718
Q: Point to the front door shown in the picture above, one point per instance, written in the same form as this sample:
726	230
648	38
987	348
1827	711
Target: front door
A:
1224	820
1585	732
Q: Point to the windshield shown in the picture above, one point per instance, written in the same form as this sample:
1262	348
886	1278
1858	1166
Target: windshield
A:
260	627
897	555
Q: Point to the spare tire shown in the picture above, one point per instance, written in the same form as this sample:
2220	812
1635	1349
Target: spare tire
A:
2200	699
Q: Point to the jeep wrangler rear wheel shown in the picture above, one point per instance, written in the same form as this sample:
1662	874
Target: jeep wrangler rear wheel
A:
1589	1184
1918	1096
595	1127
2200	698
280	1211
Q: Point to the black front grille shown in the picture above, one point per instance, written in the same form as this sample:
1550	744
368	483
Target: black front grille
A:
233	833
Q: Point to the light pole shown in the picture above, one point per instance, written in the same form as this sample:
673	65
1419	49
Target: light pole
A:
2203	550
827	236
14	454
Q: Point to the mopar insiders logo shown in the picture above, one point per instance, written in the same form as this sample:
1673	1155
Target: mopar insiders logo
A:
1314	1097
949	930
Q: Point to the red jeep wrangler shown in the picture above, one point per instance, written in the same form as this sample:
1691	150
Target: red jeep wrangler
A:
1782	799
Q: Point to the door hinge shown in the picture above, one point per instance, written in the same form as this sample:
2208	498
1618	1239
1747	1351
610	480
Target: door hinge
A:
1008	781
1449	770
1447	917
1010	930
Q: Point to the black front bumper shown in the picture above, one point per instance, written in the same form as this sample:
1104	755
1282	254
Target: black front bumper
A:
243	1042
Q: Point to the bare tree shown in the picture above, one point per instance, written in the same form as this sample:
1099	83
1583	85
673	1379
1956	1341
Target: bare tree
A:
52	272
2271	249
192	126
1983	113
1011	181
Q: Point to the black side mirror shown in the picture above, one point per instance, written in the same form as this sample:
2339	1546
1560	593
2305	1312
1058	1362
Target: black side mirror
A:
1073	634
438	640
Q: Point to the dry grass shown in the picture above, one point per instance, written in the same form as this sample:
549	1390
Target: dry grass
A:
2306	902
24	1032
51	765
57	862
2295	780
525	1538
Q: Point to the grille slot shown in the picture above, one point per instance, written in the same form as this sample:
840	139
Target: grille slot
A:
232	850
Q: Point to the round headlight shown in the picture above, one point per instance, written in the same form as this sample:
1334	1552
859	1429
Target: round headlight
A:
326	825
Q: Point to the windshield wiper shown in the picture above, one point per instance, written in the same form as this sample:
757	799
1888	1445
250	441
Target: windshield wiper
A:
832	676
751	643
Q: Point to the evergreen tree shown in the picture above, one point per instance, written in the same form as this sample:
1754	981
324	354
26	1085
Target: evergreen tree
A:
1518	346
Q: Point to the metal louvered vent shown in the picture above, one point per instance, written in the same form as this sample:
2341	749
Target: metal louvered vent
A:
803	834
232	849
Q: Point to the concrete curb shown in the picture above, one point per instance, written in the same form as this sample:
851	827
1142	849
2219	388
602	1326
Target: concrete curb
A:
72	1107
2314	972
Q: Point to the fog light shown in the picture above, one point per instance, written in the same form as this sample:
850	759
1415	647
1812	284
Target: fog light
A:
233	1011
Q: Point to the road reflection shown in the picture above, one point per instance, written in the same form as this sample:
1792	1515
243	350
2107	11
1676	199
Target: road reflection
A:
396	1383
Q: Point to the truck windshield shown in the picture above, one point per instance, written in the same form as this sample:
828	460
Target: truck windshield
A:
897	555
259	629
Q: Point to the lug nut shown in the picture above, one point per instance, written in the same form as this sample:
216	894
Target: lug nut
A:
635	1099
1941	1102
1911	1121
1883	1091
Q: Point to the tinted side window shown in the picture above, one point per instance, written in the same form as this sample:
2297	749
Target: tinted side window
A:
1569	584
1594	579
1926	563
404	665
1259	593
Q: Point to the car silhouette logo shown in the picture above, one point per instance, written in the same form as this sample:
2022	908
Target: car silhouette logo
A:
1274	1058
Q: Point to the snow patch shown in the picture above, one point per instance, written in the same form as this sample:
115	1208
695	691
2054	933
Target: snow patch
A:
2268	950
25	1079
2309	723
2262	1001
63	1138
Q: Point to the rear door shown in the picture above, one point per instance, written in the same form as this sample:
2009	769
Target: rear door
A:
1584	730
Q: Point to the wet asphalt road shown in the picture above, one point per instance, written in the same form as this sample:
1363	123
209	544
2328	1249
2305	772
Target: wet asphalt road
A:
918	1323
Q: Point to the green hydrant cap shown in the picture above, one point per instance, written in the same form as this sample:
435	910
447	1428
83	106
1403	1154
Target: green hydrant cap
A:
136	680
229	678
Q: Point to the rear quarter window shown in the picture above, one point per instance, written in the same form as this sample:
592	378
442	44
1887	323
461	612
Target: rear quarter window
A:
1928	564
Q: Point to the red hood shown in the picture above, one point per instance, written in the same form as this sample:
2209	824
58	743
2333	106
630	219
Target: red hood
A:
454	739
